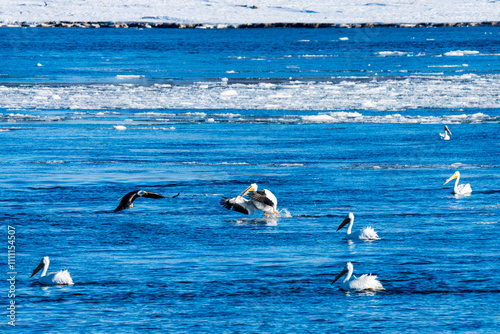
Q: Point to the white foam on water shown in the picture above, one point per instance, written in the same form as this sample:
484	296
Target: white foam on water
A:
284	213
119	127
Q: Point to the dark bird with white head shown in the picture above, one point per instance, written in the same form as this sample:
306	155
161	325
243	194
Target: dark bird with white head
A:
128	199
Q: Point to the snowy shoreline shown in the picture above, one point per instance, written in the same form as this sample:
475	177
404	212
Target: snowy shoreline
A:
168	25
247	14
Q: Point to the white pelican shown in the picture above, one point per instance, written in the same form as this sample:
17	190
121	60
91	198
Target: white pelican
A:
128	199
263	200
444	136
59	278
368	233
461	189
365	282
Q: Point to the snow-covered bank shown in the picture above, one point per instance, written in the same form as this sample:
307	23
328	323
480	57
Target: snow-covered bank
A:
256	13
110	24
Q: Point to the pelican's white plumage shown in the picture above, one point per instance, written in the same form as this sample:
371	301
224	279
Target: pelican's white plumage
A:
460	189
263	200
444	135
365	282
58	278
368	233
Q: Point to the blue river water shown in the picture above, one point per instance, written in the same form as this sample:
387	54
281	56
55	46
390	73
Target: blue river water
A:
331	121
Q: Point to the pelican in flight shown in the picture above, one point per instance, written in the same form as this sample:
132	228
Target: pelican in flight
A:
368	233
59	278
128	199
444	136
365	282
263	200
460	189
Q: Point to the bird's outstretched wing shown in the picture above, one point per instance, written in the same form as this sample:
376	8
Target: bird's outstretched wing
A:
172	196
260	196
230	204
149	194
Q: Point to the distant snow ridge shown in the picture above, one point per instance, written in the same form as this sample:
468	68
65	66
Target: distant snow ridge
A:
221	14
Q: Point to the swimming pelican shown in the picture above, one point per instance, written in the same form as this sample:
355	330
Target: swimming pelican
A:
461	189
239	204
368	233
128	199
444	136
365	282
263	200
59	278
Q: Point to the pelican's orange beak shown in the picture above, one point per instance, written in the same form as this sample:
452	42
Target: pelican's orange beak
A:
454	176
246	191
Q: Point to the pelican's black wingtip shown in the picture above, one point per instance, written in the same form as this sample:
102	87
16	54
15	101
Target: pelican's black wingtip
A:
225	203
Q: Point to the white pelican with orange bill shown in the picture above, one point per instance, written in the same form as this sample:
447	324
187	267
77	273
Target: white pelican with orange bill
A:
460	189
365	282
444	136
263	200
367	234
59	278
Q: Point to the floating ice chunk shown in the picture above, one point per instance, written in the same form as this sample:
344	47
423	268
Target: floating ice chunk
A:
280	96
369	104
266	85
121	76
210	120
229	93
318	118
199	114
461	53
391	53
119	127
39	65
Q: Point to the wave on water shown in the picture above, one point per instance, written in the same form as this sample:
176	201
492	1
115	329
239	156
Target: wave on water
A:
390	93
429	166
284	165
